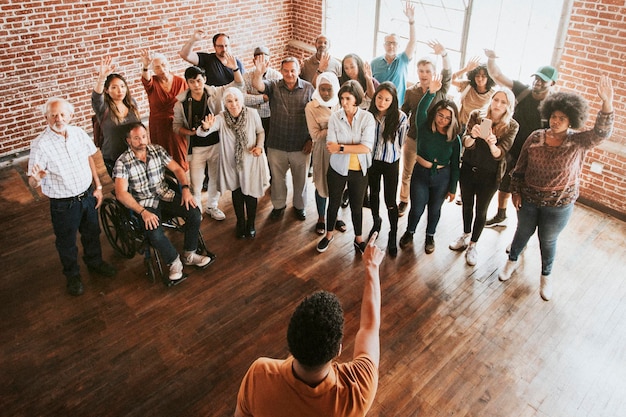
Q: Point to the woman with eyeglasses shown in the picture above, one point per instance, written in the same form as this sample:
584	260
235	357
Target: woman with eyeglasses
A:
436	171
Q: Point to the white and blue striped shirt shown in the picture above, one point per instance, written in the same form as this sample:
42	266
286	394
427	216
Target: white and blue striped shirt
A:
390	151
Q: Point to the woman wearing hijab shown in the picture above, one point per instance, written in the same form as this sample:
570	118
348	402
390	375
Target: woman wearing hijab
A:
324	102
243	165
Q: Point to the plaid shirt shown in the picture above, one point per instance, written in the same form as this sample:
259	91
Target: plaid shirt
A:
253	98
146	180
66	161
288	129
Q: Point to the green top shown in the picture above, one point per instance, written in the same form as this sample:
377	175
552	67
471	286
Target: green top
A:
434	146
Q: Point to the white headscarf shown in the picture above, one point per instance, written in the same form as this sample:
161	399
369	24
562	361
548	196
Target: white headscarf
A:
327	78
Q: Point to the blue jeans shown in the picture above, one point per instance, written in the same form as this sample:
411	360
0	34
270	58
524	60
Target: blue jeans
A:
430	189
191	228
549	223
70	216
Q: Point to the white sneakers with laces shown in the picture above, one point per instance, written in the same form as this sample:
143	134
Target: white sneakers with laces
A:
215	213
193	259
460	243
471	254
176	269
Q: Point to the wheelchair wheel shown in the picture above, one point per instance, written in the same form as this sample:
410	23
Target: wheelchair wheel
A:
118	227
154	267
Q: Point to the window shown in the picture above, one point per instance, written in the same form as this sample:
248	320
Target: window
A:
525	34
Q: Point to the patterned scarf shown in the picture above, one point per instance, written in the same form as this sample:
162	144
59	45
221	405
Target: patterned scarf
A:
238	126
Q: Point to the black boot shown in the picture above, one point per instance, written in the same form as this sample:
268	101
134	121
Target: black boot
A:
250	228
375	227
240	229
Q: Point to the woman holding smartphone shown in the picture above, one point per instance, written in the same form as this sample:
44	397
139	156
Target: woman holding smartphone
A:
486	142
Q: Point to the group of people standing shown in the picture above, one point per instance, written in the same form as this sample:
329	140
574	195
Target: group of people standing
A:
363	126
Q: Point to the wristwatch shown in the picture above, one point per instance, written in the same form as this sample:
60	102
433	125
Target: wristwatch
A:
341	148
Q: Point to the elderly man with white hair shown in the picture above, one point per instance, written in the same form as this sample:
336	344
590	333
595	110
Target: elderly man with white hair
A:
61	162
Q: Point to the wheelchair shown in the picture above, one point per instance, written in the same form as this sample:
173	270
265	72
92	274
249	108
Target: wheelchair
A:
125	232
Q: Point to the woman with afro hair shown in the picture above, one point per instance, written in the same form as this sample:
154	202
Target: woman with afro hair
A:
545	180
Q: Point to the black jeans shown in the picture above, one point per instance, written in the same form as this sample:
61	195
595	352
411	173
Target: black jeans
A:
357	184
477	189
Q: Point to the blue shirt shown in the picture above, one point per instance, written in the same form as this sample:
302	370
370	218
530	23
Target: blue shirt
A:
396	72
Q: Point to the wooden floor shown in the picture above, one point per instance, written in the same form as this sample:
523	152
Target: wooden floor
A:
455	340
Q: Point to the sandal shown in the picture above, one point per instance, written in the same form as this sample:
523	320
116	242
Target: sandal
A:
340	226
320	228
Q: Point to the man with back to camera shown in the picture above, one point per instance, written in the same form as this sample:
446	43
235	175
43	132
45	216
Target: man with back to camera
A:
61	161
321	61
526	114
393	67
140	185
310	383
288	144
218	72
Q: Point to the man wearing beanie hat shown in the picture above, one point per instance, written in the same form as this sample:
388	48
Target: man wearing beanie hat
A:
255	99
528	99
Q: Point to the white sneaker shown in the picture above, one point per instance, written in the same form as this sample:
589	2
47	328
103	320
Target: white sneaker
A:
460	243
176	269
545	287
193	259
471	255
215	213
508	269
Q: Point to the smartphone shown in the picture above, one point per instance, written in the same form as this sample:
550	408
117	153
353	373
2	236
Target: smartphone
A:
485	128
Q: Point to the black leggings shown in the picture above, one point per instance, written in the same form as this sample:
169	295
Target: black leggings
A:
239	201
477	188
357	184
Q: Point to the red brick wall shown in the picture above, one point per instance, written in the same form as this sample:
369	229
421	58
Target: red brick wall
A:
52	48
596	44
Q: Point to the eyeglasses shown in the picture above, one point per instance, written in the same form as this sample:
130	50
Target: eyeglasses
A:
390	43
446	118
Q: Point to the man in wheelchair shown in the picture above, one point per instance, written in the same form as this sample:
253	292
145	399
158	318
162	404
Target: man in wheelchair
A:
140	185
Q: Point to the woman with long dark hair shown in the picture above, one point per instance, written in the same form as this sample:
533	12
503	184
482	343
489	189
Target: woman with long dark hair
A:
391	129
115	109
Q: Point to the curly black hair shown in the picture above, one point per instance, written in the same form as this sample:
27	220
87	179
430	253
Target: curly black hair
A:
471	76
316	330
573	105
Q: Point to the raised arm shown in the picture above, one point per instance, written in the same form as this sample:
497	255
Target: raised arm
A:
231	62
187	52
494	70
409	12
471	64
368	337
106	68
605	92
146	60
260	68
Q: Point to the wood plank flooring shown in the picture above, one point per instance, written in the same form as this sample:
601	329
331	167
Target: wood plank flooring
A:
455	340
